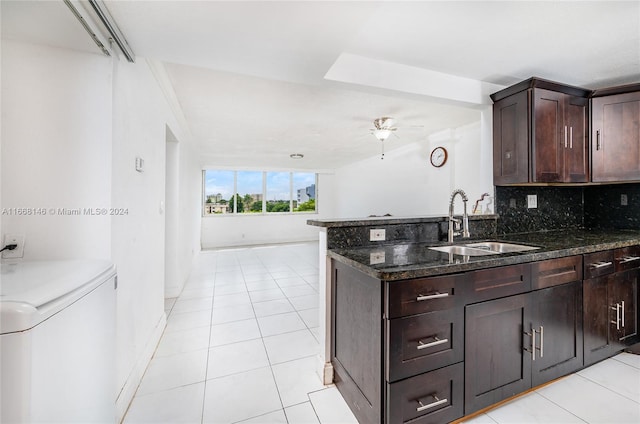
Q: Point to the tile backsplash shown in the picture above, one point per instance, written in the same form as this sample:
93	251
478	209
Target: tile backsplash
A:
604	208
568	207
557	208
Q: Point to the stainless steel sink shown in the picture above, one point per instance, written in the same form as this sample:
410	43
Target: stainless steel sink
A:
500	247
463	250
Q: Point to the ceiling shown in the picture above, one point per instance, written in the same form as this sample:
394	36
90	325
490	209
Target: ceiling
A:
253	78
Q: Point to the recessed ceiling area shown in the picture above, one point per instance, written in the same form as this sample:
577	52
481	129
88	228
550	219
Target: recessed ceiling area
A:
255	80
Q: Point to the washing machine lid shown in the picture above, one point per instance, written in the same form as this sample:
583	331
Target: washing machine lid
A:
32	291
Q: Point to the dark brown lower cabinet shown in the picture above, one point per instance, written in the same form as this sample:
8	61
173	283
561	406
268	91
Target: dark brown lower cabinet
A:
610	314
496	365
430	398
557	313
521	341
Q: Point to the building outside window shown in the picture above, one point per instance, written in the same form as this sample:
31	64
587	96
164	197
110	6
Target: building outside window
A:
258	192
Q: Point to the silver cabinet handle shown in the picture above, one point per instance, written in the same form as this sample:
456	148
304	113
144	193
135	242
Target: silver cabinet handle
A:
627	259
438	402
532	334
541	341
571	137
617	321
622	314
565	136
437	295
598	140
597	265
437	342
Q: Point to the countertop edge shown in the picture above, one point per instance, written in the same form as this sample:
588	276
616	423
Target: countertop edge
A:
391	220
420	270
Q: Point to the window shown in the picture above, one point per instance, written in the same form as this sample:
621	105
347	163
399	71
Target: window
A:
278	192
258	192
249	192
218	192
304	192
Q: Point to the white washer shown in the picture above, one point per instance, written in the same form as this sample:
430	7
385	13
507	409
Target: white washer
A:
57	342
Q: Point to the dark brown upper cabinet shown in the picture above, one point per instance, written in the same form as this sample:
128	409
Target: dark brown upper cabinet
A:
540	133
615	134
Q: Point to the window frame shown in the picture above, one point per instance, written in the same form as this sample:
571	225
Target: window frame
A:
264	212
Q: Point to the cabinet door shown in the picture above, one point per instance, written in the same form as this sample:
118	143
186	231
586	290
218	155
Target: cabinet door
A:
557	326
624	311
496	364
356	345
596	321
511	139
548	145
576	141
615	138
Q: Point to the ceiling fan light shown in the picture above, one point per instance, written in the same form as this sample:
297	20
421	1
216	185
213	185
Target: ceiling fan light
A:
382	134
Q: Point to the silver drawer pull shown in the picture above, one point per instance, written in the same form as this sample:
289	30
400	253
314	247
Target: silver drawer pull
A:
622	314
438	402
437	295
617	321
597	265
627	259
437	342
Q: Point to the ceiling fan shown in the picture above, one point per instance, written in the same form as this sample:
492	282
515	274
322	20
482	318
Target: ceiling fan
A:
384	127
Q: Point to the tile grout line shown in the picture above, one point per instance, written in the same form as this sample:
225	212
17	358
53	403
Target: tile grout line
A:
273	375
206	369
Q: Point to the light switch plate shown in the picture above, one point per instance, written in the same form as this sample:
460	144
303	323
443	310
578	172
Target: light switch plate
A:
532	201
378	234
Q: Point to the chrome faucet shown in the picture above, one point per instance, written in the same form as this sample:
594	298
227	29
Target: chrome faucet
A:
455	222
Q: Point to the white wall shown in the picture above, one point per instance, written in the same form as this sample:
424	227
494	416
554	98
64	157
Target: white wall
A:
56	149
141	116
229	230
405	183
72	125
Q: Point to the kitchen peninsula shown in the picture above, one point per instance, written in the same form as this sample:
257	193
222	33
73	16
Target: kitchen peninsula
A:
428	337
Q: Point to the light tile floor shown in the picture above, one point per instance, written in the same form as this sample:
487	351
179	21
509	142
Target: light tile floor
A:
241	342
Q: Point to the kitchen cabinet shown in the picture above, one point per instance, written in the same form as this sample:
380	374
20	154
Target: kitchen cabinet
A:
397	347
433	349
615	136
540	133
516	342
610	302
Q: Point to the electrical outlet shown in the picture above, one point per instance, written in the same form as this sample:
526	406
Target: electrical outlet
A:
624	200
532	201
378	234
376	258
16	253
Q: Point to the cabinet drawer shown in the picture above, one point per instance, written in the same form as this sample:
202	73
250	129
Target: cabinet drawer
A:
627	258
421	343
434	397
493	283
598	263
554	272
422	295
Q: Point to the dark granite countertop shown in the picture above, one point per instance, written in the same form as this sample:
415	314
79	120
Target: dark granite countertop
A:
386	220
401	261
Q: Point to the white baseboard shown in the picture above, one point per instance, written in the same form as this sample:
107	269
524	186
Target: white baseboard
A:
130	386
325	371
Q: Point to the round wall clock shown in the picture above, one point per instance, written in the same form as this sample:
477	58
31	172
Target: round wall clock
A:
439	156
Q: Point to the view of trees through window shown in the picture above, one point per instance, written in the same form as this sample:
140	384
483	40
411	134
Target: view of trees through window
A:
255	192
